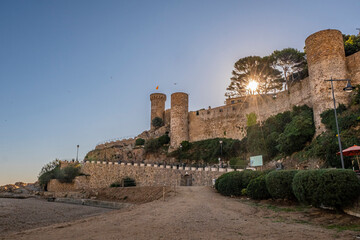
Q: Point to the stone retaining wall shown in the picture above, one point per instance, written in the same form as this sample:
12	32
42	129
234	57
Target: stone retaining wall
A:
102	174
55	186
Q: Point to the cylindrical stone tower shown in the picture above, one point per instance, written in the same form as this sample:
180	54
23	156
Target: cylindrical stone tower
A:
179	119
326	59
157	106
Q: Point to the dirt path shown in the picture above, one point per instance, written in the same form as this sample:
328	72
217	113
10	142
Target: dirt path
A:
195	213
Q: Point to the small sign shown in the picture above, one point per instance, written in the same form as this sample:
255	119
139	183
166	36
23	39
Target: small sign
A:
256	161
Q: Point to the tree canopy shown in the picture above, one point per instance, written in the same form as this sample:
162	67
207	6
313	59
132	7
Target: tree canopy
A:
289	61
254	68
352	44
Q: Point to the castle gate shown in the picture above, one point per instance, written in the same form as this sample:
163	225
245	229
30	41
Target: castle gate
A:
186	180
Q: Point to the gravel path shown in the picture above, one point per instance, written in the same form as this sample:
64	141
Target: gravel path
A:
194	213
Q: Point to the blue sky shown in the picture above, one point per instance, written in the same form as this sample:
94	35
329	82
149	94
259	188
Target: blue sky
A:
80	72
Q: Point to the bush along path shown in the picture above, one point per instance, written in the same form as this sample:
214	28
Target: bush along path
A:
334	188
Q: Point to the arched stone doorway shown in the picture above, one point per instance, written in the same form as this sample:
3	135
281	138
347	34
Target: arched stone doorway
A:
186	180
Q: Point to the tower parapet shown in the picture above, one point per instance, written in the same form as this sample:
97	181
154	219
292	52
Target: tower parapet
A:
179	119
157	106
326	59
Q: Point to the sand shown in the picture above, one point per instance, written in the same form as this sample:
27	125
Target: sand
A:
198	213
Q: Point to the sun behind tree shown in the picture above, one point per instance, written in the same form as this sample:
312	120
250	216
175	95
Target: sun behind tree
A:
254	75
253	86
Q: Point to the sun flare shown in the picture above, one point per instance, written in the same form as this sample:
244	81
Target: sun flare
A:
252	86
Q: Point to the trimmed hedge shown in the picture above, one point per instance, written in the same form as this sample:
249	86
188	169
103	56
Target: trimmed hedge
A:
305	185
279	184
229	184
332	187
232	183
257	188
247	176
328	187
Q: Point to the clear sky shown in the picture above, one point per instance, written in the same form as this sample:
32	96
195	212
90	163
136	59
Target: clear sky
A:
80	72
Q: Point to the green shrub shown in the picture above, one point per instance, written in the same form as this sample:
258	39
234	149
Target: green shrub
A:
298	132
218	179
48	172
115	184
129	182
305	186
244	192
52	171
328	117
351	44
164	139
209	150
356	99
185	145
257	188
67	174
247	176
279	184
152	145
331	187
338	187
230	184
234	182
255	140
125	182
238	162
157	122
139	142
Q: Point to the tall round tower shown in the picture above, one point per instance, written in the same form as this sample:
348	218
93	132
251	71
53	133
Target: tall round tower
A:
157	106
179	119
326	59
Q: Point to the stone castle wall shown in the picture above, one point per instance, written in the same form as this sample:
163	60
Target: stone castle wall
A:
326	60
179	119
229	121
55	186
353	68
102	175
157	106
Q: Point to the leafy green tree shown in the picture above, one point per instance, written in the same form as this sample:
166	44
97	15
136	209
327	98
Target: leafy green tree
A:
351	44
290	61
298	132
164	139
254	68
157	122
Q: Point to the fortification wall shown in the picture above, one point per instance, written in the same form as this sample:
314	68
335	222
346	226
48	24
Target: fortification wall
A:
55	186
179	119
326	59
102	174
229	121
157	106
353	67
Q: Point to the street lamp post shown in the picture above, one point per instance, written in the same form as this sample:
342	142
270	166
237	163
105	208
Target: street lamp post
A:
77	153
221	142
348	88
